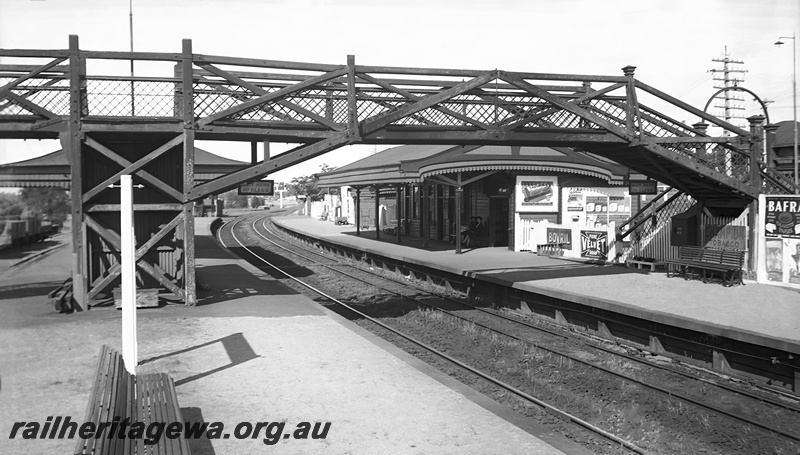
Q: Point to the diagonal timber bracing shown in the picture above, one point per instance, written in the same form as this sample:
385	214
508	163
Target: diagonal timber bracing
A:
322	107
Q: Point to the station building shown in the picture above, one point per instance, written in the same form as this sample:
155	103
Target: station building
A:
526	196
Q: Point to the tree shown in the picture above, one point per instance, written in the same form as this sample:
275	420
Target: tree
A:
304	186
233	200
307	185
51	203
10	205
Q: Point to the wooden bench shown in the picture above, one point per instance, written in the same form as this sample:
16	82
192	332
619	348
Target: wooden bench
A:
693	259
145	398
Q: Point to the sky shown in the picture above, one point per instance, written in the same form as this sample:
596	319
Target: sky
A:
671	42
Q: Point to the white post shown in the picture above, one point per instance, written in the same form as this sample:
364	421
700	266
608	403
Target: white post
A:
760	246
128	266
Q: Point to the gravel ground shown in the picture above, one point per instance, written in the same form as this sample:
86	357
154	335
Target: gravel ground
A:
233	363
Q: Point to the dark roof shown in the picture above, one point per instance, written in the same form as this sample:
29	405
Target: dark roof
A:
784	137
412	163
52	170
395	155
59	158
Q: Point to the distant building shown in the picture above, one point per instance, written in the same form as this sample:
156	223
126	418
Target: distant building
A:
525	195
783	149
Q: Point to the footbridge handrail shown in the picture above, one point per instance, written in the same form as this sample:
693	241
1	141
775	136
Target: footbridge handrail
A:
326	106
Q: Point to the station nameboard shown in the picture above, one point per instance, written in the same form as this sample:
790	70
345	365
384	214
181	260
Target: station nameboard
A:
636	187
259	188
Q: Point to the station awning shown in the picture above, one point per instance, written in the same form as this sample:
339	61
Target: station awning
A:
53	170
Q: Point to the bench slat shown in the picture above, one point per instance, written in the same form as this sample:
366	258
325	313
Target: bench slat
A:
140	414
130	412
105	398
111	402
100	374
117	445
173	394
162	405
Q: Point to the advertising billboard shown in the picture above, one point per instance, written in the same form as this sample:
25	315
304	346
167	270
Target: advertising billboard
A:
537	194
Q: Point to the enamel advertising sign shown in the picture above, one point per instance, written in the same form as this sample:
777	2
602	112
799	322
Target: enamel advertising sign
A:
594	244
782	217
537	194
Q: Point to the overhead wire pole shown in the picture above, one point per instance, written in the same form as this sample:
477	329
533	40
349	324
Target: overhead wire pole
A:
728	81
130	28
794	100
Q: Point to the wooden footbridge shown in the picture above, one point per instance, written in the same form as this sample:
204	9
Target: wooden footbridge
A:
147	125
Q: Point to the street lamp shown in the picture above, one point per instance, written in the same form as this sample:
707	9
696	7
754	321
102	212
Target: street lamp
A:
794	99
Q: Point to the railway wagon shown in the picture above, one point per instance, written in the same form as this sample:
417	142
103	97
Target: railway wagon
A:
16	232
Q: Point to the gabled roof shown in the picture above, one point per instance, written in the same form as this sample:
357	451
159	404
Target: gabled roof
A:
413	163
784	136
53	170
59	158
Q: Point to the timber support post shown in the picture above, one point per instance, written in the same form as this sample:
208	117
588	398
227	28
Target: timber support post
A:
189	282
424	219
377	212
358	212
352	106
73	146
632	113
457	227
398	191
756	152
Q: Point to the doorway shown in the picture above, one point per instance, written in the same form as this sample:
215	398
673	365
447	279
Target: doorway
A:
498	214
438	198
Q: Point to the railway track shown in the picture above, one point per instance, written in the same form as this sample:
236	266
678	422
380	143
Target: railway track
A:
771	416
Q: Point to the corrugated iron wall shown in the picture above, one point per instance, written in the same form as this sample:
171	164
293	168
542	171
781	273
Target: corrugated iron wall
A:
653	238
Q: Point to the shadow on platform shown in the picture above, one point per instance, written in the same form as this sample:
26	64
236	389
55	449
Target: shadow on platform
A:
408	241
201	445
275	259
23	251
207	248
236	346
557	268
231	282
29	290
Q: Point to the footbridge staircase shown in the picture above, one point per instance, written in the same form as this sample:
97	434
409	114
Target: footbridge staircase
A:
146	125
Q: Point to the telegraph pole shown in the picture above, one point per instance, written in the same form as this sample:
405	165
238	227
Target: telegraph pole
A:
729	79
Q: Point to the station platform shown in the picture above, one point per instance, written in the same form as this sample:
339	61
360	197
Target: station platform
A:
759	314
252	350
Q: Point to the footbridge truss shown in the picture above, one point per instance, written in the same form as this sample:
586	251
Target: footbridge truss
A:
146	126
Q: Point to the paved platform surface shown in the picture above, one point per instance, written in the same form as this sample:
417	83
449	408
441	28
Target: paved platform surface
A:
761	314
252	350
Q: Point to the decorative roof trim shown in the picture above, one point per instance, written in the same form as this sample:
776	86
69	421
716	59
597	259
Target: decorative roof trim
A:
565	167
